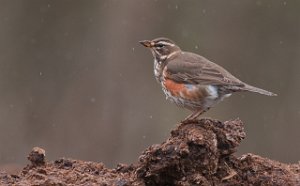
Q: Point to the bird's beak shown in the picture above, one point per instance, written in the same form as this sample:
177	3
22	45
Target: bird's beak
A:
147	43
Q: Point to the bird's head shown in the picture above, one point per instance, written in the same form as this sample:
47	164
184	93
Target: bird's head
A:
161	48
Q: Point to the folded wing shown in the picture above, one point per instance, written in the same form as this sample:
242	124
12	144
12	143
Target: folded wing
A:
195	69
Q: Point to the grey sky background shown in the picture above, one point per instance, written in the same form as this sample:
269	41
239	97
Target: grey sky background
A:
75	81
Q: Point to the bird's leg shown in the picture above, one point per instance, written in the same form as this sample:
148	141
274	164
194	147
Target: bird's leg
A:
192	117
199	113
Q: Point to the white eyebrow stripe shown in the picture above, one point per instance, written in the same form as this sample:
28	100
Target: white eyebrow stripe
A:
165	43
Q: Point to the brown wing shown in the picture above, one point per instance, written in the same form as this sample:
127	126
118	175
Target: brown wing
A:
194	69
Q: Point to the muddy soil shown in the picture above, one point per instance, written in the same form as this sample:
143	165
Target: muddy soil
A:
198	153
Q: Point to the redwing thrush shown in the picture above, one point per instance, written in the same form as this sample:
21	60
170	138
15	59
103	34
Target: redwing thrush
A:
192	81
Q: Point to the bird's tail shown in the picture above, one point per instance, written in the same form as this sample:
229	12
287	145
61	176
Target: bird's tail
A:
258	90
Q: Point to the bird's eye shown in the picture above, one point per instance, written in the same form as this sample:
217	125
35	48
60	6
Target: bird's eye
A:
159	45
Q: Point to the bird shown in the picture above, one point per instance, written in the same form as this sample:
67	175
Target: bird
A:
192	81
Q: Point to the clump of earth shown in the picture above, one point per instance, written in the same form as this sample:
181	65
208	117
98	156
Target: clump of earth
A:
197	153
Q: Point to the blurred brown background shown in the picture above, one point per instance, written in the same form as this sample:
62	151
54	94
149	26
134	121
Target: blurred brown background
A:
75	81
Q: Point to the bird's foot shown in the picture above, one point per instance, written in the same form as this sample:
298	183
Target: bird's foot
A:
189	121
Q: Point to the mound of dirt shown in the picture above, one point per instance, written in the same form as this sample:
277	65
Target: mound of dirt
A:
198	153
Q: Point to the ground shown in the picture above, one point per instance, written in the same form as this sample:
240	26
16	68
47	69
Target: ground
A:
197	153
